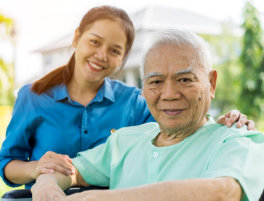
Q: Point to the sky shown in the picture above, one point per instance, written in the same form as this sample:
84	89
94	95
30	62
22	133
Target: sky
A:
38	22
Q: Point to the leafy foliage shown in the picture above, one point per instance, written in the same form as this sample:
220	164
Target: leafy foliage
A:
6	70
225	50
252	59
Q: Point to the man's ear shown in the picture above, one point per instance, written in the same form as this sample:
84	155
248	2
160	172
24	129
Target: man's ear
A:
213	78
76	38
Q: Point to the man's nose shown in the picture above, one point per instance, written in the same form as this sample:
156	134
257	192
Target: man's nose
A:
101	54
170	91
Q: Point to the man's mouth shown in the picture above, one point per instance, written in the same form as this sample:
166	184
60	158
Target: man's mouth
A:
173	111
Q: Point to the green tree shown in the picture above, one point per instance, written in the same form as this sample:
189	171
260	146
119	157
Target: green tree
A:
252	76
226	49
6	69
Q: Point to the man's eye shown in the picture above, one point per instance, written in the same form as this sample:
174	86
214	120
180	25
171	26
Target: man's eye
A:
155	82
184	80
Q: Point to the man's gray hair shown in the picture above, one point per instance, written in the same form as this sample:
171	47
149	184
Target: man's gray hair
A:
181	38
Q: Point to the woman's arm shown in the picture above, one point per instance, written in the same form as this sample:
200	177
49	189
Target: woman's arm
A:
22	172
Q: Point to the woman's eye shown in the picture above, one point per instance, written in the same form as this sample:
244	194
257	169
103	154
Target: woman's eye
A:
94	42
116	52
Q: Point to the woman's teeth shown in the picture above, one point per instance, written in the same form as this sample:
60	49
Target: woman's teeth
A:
96	66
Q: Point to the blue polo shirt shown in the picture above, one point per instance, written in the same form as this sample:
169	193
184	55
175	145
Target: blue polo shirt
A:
53	122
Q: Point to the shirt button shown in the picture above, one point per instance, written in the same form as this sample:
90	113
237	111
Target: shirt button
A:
155	154
85	131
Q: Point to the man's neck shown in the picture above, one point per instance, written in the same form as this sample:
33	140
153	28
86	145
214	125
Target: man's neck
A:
168	137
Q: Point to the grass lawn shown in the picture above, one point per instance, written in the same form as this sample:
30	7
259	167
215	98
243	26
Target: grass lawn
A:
5	116
4	188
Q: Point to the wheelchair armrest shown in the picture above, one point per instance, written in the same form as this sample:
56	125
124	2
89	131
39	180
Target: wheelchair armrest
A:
25	194
262	196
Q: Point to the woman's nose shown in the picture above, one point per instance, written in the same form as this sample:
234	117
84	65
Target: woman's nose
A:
101	54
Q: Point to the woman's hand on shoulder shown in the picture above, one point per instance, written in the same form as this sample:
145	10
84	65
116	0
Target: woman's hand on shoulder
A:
52	162
234	116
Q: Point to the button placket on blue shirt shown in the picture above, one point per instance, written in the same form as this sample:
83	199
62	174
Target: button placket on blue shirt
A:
84	129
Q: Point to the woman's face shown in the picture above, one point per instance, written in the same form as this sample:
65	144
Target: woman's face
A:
99	51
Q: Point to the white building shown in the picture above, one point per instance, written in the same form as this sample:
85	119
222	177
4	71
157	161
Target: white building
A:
146	21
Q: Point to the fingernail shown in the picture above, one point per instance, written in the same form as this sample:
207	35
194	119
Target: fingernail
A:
238	124
51	171
69	172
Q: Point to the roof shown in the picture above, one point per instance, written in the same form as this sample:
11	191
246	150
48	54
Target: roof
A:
155	18
59	43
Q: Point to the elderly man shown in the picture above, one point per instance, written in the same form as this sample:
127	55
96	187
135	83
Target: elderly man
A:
185	156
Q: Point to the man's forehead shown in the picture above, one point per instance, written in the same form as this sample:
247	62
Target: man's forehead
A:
179	72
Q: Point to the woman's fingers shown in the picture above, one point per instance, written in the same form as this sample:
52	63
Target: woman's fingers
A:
51	168
235	116
250	125
51	162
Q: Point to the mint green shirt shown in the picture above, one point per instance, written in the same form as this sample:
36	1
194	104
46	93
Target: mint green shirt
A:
130	159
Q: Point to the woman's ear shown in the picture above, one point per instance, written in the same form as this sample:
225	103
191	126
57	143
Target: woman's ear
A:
76	38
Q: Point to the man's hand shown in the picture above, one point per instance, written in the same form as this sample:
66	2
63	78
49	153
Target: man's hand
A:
235	116
51	162
45	189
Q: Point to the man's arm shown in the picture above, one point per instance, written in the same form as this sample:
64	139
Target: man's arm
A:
218	189
50	186
193	189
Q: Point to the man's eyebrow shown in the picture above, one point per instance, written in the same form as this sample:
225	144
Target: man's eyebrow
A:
185	71
152	74
115	45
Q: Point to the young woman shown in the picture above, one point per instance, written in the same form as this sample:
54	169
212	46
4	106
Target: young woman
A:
74	107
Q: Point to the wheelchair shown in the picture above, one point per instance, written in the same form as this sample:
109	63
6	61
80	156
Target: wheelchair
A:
25	194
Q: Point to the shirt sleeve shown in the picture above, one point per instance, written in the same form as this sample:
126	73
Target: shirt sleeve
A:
94	164
141	113
17	142
241	157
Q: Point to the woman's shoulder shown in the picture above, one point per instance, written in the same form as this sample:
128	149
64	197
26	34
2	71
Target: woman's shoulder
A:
25	90
25	93
119	86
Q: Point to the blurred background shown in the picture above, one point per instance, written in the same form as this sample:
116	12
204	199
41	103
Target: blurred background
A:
36	36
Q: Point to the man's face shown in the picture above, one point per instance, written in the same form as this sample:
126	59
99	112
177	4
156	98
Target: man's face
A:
177	88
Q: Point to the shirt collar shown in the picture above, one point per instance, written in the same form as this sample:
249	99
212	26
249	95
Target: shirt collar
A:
210	120
60	92
105	91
